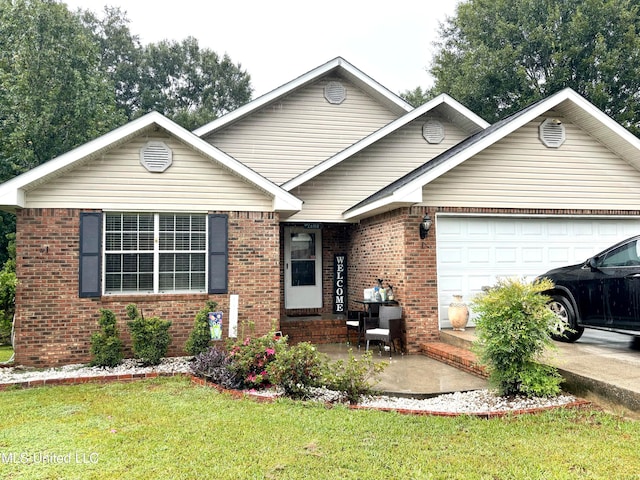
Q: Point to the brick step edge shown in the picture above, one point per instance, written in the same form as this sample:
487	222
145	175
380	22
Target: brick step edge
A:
457	357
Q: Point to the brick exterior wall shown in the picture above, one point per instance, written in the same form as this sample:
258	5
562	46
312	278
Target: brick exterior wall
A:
54	325
388	246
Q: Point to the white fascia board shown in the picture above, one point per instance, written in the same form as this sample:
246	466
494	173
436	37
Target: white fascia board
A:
380	134
395	200
410	191
10	188
295	84
608	122
282	199
13	189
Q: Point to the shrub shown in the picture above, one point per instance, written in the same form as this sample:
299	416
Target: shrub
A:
198	341
213	364
297	368
354	377
8	283
150	336
514	327
251	357
106	346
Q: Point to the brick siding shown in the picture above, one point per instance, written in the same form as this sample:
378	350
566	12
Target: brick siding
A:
54	325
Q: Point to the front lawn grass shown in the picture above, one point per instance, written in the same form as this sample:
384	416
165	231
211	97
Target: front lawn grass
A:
5	352
169	428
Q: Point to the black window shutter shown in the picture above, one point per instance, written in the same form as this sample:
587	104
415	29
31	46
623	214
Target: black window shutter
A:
90	254
218	253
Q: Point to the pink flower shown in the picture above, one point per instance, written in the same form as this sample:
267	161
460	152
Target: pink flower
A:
271	351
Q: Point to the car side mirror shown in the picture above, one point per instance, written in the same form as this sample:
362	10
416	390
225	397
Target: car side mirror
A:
593	263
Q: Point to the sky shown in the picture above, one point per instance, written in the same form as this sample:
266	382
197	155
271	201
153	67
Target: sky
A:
276	41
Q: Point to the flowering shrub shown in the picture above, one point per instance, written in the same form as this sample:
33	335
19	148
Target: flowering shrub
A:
249	359
297	368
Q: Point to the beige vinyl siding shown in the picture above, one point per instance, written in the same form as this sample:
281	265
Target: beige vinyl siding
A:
520	172
289	137
334	191
118	181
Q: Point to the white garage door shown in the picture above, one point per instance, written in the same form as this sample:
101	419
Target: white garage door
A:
475	251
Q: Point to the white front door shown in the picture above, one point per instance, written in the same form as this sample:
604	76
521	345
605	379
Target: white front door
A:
302	268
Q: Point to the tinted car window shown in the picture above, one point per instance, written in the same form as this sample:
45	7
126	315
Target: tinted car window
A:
623	256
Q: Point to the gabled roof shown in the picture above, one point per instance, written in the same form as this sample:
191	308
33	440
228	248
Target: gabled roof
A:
338	66
12	192
444	104
408	189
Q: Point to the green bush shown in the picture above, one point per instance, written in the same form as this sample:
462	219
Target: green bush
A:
354	377
149	336
296	368
200	336
513	329
8	283
213	364
106	346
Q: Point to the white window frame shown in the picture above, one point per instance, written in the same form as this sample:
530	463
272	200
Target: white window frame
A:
156	252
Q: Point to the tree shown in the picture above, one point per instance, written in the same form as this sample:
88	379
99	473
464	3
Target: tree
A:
120	55
188	84
53	95
498	56
416	97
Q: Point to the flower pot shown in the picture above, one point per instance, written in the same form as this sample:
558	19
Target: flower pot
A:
458	313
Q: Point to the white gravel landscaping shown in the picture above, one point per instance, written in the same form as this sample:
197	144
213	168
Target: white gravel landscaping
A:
473	402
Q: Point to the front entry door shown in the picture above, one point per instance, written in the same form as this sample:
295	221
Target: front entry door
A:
302	268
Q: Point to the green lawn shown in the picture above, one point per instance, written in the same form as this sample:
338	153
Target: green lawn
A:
5	352
167	428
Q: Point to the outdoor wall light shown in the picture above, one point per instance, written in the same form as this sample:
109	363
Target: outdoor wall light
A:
425	225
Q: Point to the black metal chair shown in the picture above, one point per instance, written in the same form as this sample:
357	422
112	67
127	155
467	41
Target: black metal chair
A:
389	328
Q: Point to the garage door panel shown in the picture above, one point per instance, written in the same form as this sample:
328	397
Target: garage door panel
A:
474	252
506	255
532	255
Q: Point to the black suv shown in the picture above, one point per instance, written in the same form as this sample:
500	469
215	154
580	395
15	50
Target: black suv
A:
601	293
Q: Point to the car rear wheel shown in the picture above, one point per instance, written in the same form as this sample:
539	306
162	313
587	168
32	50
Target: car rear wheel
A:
566	328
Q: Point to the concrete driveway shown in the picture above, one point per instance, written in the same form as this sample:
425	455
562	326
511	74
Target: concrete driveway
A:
601	363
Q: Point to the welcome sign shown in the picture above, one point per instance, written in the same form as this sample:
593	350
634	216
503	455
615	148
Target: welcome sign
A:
340	283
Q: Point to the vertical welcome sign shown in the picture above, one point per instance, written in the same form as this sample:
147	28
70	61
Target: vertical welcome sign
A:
340	283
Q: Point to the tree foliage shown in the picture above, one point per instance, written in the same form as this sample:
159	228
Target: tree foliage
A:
53	94
187	83
498	56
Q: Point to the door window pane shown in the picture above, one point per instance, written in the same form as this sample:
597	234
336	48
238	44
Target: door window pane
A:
303	259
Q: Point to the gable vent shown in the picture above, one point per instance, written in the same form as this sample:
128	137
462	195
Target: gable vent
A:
433	131
335	93
156	157
552	133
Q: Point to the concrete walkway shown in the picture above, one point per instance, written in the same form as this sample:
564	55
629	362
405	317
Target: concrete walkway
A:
601	366
415	376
